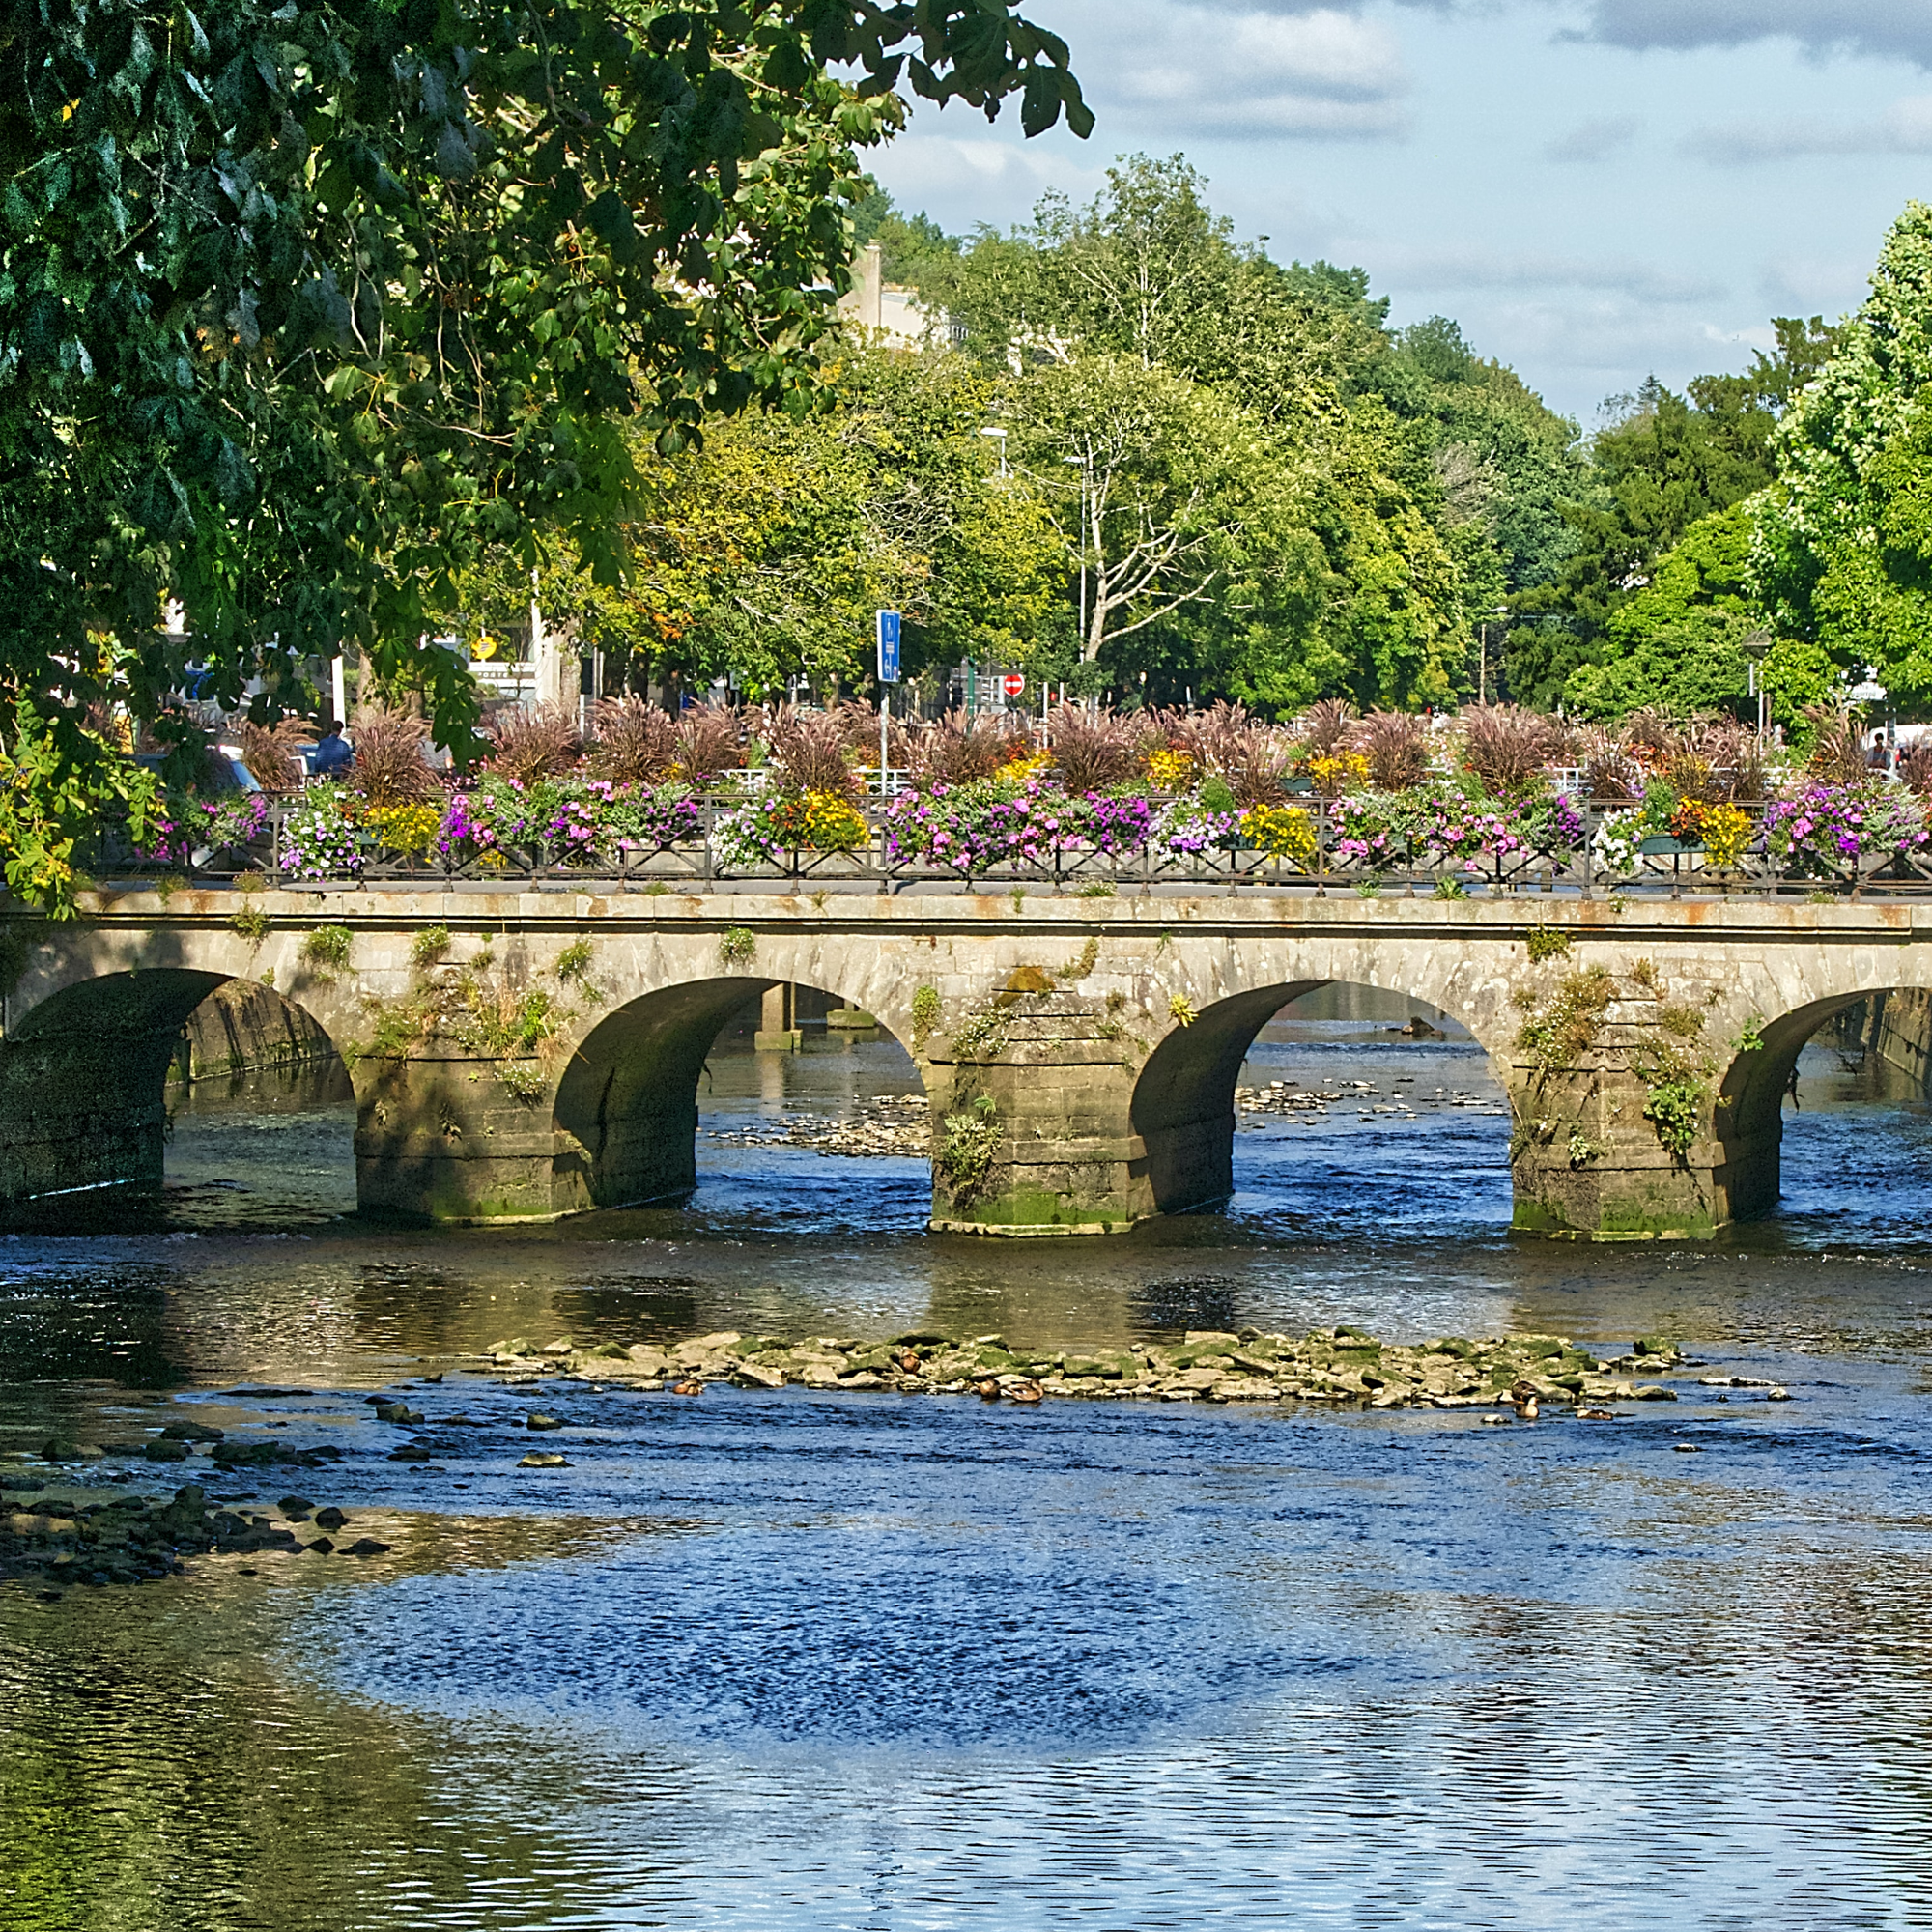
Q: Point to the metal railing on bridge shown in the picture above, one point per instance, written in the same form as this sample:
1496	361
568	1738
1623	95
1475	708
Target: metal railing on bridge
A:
700	860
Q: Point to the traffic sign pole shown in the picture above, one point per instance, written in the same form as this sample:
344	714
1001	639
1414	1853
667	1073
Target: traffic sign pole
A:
888	631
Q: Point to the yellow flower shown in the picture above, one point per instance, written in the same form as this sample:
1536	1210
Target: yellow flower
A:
1170	770
1726	831
1281	831
1345	771
405	828
829	823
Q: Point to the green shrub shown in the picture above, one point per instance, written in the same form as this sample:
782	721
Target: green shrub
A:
924	1015
522	1079
738	946
327	947
967	1143
429	945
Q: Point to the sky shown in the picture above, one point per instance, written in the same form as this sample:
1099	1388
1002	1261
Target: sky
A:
1597	193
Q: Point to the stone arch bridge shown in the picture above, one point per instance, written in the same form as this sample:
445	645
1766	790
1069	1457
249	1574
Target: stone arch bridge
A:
532	1055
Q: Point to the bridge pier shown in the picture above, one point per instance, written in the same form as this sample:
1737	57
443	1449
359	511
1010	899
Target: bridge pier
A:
1031	1129
83	1086
1586	1163
442	1137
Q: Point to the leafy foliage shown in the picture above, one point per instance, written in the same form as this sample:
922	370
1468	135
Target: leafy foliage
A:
1846	537
305	306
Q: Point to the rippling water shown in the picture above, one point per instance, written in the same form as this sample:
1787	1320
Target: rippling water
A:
816	1661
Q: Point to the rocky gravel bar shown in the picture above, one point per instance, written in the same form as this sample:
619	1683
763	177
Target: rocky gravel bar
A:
61	1538
1342	1365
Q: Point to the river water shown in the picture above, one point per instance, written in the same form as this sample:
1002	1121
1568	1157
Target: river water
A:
810	1660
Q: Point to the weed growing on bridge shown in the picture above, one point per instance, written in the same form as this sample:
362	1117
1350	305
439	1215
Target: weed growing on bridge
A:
1098	889
1675	1108
925	1015
1450	889
738	946
251	922
429	945
967	1144
574	961
1668	1056
1181	1007
1751	1038
983	1034
327	946
1080	965
522	1079
1559	1035
1545	942
1368	888
168	886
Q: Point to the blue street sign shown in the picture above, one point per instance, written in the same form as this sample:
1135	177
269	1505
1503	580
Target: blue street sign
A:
888	646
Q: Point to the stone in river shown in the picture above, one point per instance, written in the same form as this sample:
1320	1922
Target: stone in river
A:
409	1452
329	1518
366	1545
320	1546
1652	1392
539	1420
542	1458
752	1375
165	1451
294	1506
191	1432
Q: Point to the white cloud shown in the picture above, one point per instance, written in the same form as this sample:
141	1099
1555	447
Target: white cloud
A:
1237	71
1895	28
1593	140
1905	128
1802	285
961	182
1475	268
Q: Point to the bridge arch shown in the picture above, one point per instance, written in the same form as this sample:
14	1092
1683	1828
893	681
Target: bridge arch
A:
1181	1111
83	1080
625	1112
1749	1119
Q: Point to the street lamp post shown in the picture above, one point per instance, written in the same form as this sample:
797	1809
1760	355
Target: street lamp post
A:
1080	464
1757	647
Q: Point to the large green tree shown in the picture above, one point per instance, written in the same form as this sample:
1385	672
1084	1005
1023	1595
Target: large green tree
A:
1844	557
1664	462
766	552
305	306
